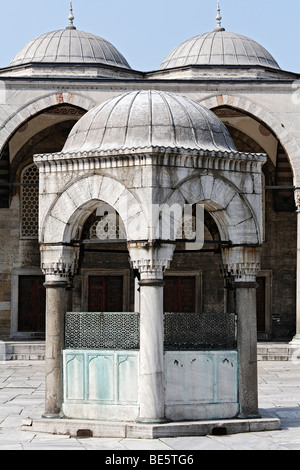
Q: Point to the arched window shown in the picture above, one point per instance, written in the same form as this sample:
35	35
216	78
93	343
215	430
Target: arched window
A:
30	202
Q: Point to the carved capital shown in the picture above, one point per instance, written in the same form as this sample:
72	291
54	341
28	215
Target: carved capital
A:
151	269
59	263
151	260
241	264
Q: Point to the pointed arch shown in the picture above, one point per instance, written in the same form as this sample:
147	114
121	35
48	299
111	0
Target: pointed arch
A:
31	109
65	219
238	221
263	115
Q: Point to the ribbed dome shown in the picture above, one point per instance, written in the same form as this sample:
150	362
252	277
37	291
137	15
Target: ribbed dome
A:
70	46
219	48
145	119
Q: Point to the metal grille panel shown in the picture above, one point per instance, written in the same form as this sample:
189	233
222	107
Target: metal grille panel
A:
112	331
183	331
205	331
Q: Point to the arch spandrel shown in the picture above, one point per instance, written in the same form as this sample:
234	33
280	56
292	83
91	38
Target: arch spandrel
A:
64	220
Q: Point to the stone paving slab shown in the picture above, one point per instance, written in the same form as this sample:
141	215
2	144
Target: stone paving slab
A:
279	397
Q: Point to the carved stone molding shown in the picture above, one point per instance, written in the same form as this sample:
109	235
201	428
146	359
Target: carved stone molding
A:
151	269
241	271
241	264
59	262
151	261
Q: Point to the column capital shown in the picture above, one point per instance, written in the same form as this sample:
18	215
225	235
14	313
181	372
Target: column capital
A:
59	263
151	259
241	264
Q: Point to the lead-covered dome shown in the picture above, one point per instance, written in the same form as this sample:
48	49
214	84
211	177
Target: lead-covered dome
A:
147	119
219	48
70	46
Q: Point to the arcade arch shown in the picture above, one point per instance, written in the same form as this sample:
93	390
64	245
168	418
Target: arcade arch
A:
278	252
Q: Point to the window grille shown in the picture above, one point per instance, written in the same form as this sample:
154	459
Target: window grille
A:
30	203
109	227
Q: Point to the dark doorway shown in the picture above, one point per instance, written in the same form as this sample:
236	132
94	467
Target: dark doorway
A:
32	304
105	294
180	294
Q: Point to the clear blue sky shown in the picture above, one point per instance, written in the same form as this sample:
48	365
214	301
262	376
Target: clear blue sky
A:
145	32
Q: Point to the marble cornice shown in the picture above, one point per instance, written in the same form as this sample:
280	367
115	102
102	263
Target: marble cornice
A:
154	156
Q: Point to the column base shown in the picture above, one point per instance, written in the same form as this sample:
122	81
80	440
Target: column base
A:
151	421
295	341
249	416
52	416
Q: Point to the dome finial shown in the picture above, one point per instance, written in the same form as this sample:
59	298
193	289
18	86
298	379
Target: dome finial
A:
71	17
219	19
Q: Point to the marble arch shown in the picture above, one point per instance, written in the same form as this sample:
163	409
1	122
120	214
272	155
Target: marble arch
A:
237	219
75	203
287	140
30	110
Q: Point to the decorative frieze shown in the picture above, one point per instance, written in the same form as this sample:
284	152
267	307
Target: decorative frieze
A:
230	161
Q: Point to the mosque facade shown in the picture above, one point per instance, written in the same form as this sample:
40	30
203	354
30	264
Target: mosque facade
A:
96	155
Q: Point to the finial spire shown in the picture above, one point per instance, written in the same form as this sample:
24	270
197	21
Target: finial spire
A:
219	19
71	17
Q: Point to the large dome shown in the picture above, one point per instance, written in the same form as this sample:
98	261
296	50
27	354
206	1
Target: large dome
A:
70	46
147	119
219	48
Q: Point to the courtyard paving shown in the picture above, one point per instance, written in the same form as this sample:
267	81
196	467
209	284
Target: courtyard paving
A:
22	397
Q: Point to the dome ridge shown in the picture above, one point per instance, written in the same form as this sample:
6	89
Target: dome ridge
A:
219	48
69	46
148	119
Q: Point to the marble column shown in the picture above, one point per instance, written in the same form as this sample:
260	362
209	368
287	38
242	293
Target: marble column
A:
242	263
56	303
151	263
296	340
58	265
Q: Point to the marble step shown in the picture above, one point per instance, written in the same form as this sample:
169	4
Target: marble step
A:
275	352
22	350
35	350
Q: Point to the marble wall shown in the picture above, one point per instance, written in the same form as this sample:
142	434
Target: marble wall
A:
104	384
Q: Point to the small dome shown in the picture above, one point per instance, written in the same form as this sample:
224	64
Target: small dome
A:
145	119
219	48
70	46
